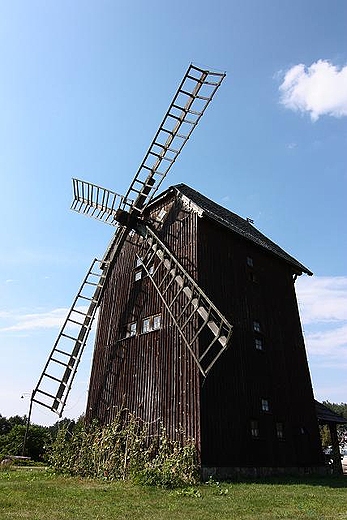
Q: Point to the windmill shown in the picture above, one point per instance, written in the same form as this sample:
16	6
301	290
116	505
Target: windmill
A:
161	349
198	316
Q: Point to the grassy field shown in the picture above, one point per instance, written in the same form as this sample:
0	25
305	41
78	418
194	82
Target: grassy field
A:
39	495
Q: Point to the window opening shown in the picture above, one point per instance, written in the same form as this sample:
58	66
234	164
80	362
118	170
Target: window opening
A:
146	325
161	215
156	322
254	428
249	261
151	323
265	405
279	430
256	326
138	275
130	329
259	345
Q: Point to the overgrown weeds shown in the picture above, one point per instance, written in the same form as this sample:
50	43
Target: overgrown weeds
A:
124	450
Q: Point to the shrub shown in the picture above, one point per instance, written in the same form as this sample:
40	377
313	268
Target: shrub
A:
38	437
124	450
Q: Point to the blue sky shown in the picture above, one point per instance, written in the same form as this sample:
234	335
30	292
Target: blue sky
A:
84	86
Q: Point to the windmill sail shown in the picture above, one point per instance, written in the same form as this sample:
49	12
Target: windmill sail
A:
172	281
95	201
185	111
187	107
55	382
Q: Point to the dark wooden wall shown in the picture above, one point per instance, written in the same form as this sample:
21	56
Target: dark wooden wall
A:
232	393
151	374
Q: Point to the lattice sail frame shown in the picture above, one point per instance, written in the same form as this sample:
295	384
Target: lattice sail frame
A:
55	382
193	96
172	281
185	111
96	201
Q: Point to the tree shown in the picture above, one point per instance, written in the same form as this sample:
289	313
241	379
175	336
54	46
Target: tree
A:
340	409
5	425
12	432
37	440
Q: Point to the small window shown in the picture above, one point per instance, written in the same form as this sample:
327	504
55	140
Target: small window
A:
249	261
256	326
259	345
138	261
146	325
265	405
156	322
161	215
254	429
151	269
138	275
151	323
279	430
130	329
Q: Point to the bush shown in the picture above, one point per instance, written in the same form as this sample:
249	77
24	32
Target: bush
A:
11	443
124	450
171	464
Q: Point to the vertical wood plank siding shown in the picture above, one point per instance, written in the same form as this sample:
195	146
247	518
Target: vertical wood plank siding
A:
152	375
232	393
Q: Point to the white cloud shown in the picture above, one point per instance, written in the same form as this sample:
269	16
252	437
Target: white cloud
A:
320	89
43	320
322	299
5	315
291	146
332	343
53	319
323	310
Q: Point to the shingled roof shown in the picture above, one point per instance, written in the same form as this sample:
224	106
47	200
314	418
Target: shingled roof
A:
237	224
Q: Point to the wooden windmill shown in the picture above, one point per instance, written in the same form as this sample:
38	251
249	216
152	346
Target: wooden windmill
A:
178	271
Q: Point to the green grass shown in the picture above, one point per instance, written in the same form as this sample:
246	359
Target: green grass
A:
40	495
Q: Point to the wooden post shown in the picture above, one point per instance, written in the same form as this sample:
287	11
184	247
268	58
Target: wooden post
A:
27	425
336	456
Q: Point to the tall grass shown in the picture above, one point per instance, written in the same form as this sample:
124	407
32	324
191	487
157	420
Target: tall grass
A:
124	450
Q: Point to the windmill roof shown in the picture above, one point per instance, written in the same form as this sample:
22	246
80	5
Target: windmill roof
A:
237	224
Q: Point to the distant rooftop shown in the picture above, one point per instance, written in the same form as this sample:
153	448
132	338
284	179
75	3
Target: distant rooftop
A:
325	415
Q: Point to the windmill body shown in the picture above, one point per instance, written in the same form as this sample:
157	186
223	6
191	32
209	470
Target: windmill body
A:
255	408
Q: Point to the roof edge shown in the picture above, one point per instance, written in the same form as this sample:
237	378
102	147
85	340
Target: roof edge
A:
237	224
